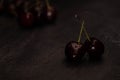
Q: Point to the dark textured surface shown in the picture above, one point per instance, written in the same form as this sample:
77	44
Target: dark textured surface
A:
38	54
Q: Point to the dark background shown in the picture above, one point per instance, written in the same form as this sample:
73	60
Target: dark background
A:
38	54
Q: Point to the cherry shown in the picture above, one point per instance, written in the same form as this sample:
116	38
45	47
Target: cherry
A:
26	18
50	13
95	48
38	12
74	51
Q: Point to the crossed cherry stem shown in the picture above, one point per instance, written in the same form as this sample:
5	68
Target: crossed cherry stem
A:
80	34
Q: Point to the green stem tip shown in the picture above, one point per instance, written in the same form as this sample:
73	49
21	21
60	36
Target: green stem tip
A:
79	38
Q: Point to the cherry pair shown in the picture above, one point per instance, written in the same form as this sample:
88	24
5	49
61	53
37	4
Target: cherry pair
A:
75	50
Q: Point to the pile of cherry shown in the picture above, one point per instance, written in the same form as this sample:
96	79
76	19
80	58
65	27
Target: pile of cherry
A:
93	47
29	13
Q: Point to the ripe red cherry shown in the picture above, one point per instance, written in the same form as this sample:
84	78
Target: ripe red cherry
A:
26	19
74	51
95	48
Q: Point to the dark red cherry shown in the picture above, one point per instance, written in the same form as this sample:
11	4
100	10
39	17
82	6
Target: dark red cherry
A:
74	51
95	48
26	19
50	14
38	13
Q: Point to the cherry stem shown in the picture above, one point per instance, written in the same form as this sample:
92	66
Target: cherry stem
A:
87	35
79	38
